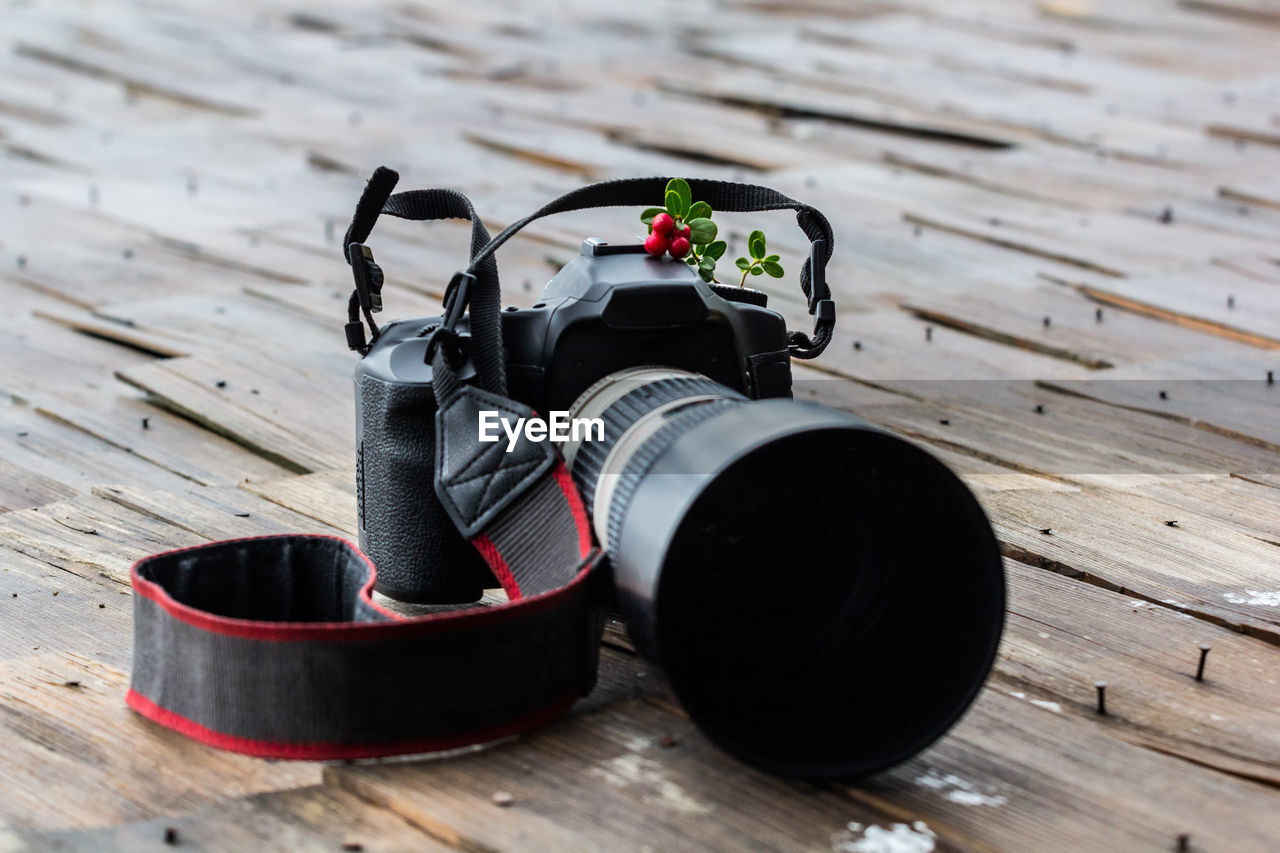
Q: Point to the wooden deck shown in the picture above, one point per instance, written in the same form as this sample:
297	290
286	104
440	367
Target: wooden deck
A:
1057	265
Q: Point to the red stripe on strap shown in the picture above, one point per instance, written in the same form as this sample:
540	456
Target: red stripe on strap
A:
579	510
501	570
315	751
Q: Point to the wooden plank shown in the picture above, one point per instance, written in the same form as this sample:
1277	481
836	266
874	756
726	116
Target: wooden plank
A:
158	436
1207	297
257	408
1065	325
1062	636
1210	567
315	818
329	497
75	756
1231	396
1070	440
604	778
50	611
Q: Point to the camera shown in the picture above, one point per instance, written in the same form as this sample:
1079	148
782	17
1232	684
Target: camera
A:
825	597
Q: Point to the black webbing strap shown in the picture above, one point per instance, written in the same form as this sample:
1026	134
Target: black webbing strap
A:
722	196
273	646
423	205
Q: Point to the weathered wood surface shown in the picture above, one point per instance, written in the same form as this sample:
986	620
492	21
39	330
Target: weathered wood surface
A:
1057	266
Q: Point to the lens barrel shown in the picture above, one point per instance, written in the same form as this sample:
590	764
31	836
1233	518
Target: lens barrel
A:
825	598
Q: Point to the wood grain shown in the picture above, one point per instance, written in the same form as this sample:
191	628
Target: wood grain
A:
175	189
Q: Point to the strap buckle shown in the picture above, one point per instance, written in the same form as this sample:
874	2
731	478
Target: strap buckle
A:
368	277
819	292
456	298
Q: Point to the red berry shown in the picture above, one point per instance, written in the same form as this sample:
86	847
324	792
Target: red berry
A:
663	223
686	232
658	243
679	247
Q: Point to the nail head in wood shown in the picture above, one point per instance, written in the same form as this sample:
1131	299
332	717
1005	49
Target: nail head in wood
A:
1039	408
1204	653
170	836
503	799
1101	687
1164	395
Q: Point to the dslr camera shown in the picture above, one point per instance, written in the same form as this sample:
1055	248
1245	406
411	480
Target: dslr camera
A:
767	552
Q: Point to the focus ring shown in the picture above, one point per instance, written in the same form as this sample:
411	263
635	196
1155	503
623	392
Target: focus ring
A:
588	462
648	453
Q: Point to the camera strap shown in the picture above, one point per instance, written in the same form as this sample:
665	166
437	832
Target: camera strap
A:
274	646
722	196
485	299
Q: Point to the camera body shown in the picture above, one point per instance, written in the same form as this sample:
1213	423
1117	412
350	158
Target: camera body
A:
610	308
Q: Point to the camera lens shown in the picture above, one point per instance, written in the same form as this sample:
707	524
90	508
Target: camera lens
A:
825	597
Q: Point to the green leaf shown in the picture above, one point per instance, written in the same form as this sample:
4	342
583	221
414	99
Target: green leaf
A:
701	230
773	258
681	188
756	271
646	216
673	204
688	259
700	210
772	268
716	250
755	244
743	263
706	275
707	263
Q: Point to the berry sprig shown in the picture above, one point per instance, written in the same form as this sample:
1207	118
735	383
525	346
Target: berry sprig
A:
684	230
759	262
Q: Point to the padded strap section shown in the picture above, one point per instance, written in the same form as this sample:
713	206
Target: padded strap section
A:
477	480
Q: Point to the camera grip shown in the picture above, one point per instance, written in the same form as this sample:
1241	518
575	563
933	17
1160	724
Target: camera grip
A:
419	553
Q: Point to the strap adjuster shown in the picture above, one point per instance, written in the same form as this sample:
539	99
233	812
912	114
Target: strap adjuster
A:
456	297
818	290
368	277
825	312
